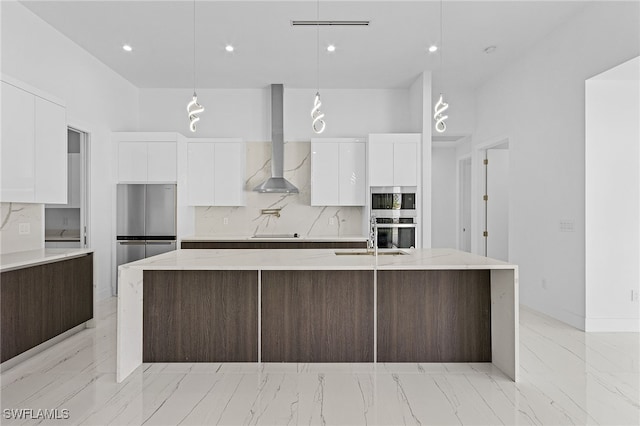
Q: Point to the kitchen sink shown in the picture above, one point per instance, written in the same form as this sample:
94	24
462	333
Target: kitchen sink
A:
371	253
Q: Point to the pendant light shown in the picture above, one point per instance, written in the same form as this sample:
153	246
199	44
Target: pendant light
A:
441	105
318	125
193	107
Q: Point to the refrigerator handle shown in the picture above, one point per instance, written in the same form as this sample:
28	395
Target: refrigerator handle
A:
166	243
132	243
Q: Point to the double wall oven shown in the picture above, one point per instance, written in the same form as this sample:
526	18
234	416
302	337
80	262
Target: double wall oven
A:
395	206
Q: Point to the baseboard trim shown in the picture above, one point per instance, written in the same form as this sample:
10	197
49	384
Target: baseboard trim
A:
613	325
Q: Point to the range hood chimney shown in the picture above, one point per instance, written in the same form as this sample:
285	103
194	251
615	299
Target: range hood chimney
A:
277	182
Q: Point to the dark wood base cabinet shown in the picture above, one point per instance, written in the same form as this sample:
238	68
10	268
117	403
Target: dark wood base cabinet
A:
273	244
40	302
200	316
434	316
317	316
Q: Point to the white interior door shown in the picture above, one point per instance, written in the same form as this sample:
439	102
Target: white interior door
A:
497	192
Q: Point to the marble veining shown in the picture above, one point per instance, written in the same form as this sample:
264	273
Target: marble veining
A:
11	216
558	387
296	215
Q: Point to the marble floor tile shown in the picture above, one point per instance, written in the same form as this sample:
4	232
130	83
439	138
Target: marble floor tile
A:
567	377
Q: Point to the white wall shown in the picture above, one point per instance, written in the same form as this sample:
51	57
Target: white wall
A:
444	194
246	113
538	103
422	122
613	201
98	101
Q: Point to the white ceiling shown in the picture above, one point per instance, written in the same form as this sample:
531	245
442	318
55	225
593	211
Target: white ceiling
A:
388	54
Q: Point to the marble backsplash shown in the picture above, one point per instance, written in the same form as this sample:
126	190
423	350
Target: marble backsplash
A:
14	214
296	215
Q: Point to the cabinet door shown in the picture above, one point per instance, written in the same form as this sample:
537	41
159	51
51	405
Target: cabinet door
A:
325	184
50	152
161	162
132	162
200	174
20	311
352	174
405	164
76	291
17	145
228	170
381	164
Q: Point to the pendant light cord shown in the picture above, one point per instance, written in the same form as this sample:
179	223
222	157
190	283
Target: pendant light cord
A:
318	43
194	46
441	39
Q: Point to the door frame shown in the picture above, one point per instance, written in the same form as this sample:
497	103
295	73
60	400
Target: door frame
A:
459	199
85	185
477	190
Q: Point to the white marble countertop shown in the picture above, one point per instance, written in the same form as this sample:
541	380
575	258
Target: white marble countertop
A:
314	259
348	238
23	259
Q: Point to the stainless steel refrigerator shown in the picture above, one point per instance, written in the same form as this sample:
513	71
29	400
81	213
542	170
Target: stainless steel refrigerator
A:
146	221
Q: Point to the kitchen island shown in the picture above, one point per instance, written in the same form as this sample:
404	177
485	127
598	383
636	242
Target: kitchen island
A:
317	305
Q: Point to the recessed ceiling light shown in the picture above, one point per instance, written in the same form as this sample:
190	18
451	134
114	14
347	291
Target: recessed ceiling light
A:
490	49
229	48
127	47
433	48
331	48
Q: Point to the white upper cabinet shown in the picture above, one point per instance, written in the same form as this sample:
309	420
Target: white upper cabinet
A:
200	175
132	162
18	145
51	152
215	173
144	162
228	169
394	159
325	182
381	163
161	162
33	148
352	174
338	172
405	164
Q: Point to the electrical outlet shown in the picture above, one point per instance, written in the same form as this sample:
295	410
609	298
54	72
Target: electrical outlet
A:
634	295
225	221
24	228
65	221
544	283
331	220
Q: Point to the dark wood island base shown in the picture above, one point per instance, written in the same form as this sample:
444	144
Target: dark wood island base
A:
317	316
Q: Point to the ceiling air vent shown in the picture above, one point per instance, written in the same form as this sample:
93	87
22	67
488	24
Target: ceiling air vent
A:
330	23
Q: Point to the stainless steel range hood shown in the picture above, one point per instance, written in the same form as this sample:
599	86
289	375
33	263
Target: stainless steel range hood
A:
277	182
